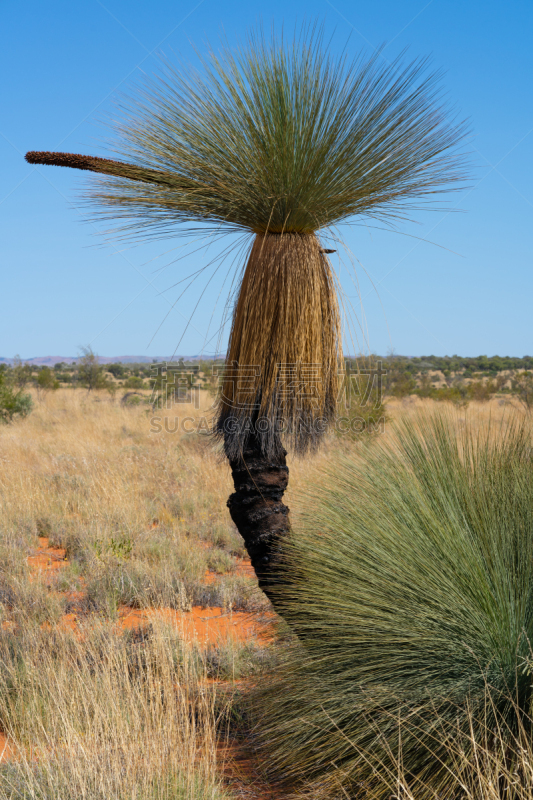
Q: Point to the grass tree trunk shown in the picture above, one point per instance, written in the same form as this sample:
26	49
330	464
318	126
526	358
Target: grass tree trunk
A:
257	508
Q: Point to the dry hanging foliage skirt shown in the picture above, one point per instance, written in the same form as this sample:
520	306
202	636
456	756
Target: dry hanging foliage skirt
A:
284	358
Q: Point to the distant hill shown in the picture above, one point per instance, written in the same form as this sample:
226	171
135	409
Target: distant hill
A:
49	361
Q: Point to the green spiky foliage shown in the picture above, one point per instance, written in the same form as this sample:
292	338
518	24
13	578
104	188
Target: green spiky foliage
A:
281	140
283	137
410	584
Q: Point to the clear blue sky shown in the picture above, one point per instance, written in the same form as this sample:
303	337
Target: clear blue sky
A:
63	286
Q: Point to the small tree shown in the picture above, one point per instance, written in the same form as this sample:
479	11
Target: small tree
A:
21	373
116	370
522	386
90	372
46	380
14	402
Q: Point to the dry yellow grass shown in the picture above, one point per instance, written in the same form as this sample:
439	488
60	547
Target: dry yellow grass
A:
106	716
84	456
84	459
94	712
87	472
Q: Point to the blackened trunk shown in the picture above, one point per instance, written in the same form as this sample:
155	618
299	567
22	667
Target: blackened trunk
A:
257	509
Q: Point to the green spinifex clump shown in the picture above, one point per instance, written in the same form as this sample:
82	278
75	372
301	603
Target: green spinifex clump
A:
410	585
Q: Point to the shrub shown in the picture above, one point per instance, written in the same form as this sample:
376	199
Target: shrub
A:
481	391
14	402
361	408
134	382
522	386
46	379
116	370
136	585
232	660
410	584
90	373
459	393
132	399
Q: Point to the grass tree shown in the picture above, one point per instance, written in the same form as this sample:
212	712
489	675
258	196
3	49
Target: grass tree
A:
281	140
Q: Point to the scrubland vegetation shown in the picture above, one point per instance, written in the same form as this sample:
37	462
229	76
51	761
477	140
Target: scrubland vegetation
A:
410	592
102	521
451	378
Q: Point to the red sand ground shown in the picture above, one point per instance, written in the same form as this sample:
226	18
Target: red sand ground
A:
46	559
205	625
7	749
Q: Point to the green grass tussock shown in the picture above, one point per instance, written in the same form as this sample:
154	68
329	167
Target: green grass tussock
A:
410	583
